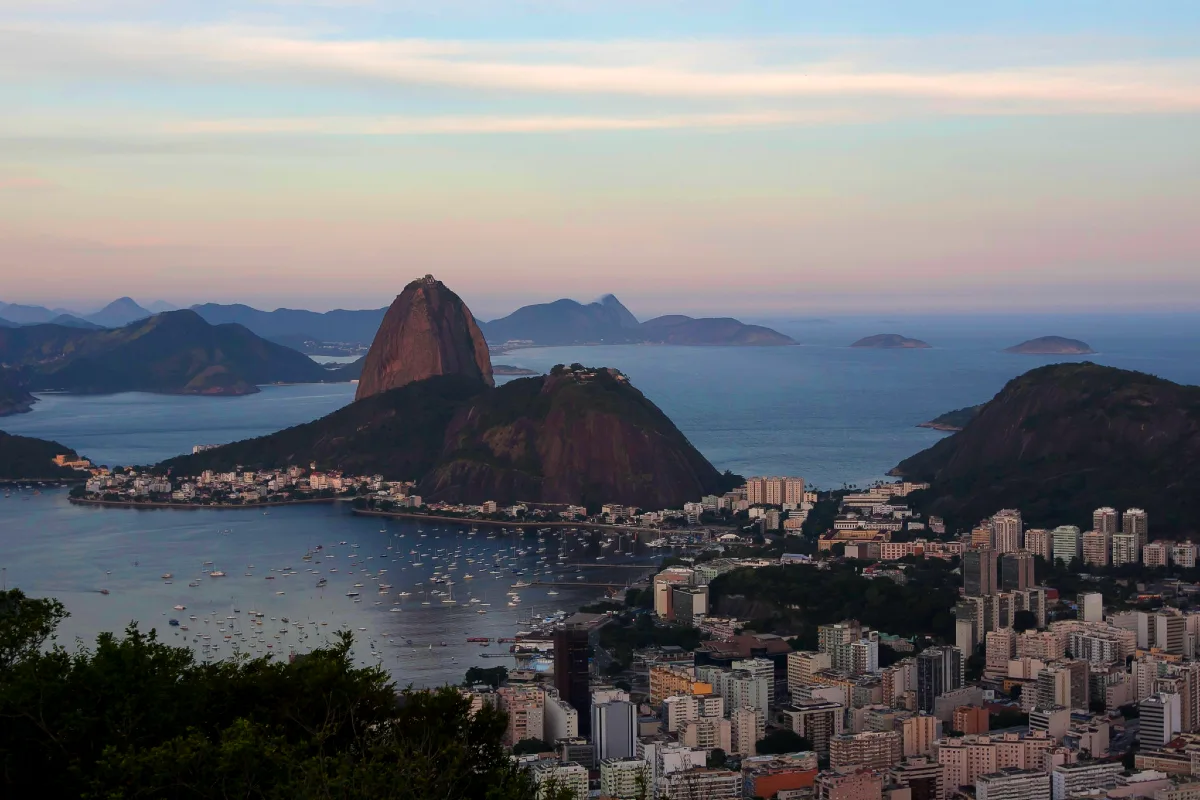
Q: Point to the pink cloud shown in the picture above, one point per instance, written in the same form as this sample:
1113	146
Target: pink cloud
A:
25	183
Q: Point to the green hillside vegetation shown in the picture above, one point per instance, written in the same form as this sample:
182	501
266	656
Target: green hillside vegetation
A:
25	458
582	436
1062	440
797	599
134	717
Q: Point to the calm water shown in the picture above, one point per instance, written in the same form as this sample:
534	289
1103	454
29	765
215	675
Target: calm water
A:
822	410
50	548
831	413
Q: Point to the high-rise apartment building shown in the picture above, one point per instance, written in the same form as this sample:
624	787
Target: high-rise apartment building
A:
802	665
1097	548
939	670
1105	520
873	750
1155	554
1159	719
701	783
1183	554
571	673
1125	549
1135	521
816	720
1066	545
1016	571
775	491
624	778
747	726
862	784
1007	531
979	572
1039	542
614	727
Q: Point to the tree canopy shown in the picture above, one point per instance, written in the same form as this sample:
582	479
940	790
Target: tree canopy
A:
135	718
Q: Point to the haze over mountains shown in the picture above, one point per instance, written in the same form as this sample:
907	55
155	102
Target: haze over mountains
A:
562	322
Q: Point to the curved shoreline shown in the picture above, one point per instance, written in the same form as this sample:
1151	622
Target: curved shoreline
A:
83	501
495	523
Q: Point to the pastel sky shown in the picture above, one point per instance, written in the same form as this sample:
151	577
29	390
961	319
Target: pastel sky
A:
759	158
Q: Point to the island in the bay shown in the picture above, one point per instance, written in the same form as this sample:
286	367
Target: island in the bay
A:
176	352
891	341
1052	346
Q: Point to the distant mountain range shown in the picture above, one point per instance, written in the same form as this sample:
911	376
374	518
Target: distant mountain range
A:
1062	440
117	313
562	322
607	321
172	353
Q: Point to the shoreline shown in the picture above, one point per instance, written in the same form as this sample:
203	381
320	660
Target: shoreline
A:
496	523
83	501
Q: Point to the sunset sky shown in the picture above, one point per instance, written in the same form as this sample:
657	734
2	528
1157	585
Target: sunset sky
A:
755	158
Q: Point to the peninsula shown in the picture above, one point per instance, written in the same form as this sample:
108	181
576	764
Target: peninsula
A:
1052	346
891	341
953	421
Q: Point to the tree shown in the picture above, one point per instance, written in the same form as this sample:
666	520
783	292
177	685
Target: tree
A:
1024	620
716	758
781	740
492	676
134	717
531	745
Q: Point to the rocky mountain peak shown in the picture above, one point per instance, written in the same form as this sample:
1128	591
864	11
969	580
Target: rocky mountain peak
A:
427	331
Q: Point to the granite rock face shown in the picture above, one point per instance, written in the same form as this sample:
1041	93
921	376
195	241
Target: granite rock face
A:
427	331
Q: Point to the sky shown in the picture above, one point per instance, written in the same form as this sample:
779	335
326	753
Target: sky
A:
768	158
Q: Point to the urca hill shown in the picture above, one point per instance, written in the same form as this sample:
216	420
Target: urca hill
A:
1062	440
579	435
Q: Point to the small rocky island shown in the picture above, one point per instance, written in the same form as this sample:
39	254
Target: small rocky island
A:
891	341
1052	346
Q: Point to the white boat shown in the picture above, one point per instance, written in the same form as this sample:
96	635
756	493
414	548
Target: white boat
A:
179	608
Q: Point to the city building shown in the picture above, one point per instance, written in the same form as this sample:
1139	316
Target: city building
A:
553	776
872	749
979	572
682	708
1155	554
1083	776
939	670
922	776
1039	542
525	707
862	784
802	665
1159	719
1183	554
689	604
816	720
560	719
775	491
971	719
1007	531
919	733
625	779
1097	548
1125	549
1091	607
1066	543
1134	521
766	776
667	680
1011	783
614	727
571	673
1105	520
747	726
707	733
1016	571
701	783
